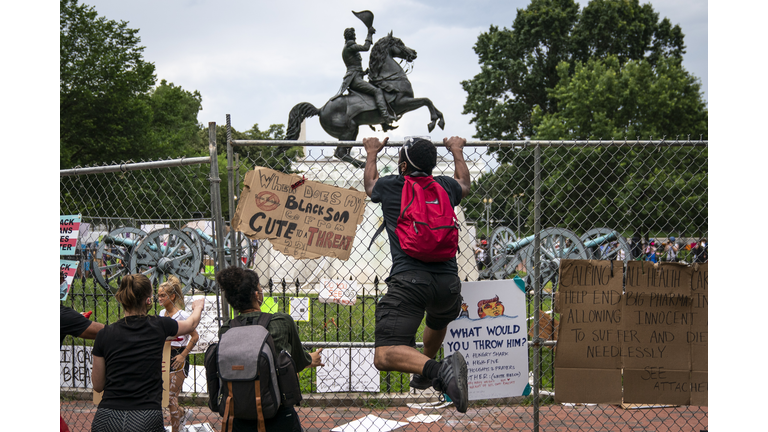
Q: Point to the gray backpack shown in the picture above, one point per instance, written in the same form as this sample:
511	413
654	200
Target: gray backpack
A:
254	381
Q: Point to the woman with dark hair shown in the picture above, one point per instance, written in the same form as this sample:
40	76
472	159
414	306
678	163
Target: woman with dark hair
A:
243	292
127	361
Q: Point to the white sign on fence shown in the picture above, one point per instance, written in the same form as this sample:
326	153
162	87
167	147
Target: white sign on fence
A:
300	308
208	329
75	366
338	291
491	334
347	369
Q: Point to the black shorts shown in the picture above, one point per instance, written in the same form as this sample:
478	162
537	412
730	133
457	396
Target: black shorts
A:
176	351
409	295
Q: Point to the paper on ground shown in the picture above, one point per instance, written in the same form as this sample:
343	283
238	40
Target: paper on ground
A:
424	418
370	423
429	405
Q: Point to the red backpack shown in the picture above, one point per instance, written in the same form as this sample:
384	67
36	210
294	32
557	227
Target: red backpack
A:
427	226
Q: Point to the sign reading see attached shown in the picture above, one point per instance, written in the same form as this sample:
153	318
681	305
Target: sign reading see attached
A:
301	218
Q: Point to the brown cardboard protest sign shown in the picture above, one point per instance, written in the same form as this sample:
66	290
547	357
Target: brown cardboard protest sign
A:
590	298
303	219
166	365
659	338
589	343
657	306
588	385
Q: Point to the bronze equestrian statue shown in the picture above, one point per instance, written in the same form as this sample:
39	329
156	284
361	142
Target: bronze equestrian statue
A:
341	116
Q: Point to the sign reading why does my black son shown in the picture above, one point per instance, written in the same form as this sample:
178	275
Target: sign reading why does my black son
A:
640	332
301	218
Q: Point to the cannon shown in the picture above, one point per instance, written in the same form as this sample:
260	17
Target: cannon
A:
207	246
597	237
113	256
556	244
166	252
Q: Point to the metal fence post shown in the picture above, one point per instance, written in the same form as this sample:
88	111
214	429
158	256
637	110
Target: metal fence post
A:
218	220
234	253
536	283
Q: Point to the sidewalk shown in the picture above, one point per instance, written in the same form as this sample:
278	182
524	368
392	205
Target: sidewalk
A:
555	418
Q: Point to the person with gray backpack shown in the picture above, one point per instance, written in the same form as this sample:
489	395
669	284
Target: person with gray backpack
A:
251	372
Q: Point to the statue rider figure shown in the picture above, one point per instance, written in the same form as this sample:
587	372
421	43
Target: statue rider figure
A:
353	79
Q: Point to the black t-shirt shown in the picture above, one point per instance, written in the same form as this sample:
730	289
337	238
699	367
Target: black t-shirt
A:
388	191
71	323
133	353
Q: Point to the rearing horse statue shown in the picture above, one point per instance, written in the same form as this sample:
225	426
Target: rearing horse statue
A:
340	117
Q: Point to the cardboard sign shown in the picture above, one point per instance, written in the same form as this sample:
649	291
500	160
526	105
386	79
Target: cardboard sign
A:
166	365
649	332
589	345
69	227
301	218
338	291
67	270
491	335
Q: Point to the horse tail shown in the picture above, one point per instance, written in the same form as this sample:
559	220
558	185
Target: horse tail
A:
297	115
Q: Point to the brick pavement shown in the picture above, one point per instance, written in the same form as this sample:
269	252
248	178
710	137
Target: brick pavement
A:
79	414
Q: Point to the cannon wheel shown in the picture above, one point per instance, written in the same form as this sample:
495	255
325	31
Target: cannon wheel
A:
613	254
179	256
552	250
121	257
500	238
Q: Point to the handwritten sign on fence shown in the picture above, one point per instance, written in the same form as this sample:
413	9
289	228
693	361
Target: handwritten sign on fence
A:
491	335
645	326
301	218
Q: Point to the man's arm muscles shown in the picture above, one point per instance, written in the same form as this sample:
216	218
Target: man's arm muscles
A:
371	174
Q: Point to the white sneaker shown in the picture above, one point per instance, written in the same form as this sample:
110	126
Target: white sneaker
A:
186	418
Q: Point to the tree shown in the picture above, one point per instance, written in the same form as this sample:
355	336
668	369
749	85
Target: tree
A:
174	130
104	107
518	65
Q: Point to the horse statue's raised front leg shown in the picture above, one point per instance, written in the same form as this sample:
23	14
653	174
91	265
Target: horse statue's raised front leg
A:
406	104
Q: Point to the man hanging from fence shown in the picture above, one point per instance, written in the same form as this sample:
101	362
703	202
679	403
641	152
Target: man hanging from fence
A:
415	286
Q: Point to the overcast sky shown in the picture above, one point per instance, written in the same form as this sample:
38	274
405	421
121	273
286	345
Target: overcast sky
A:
255	60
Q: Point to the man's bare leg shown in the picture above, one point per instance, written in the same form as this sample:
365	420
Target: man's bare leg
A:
401	358
433	340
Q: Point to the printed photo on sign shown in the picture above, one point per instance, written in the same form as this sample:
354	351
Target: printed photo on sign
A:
491	334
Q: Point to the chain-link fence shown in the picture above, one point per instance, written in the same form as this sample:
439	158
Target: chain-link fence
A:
632	200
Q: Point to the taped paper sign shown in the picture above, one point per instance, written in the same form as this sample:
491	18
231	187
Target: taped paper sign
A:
348	370
69	227
646	329
300	308
338	291
67	270
491	334
208	329
269	305
303	219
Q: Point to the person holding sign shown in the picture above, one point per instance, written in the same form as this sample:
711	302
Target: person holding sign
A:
170	296
416	286
243	292
127	360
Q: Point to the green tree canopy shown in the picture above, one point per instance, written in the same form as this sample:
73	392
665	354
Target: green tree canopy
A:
605	99
110	109
520	64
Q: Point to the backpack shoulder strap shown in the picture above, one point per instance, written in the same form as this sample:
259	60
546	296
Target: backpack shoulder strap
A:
264	319
376	234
